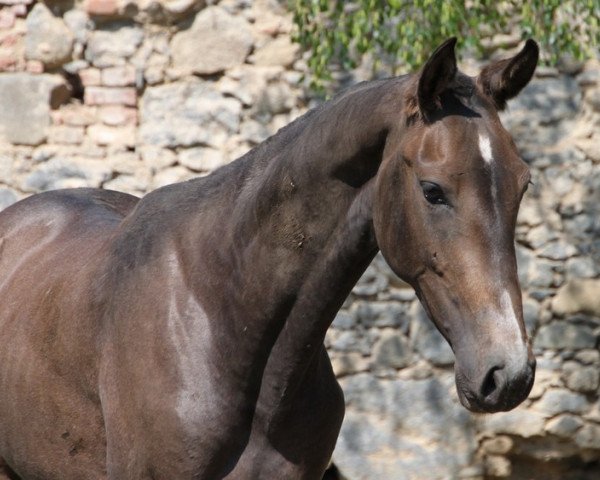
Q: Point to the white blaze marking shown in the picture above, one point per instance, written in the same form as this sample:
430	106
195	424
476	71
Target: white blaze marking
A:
506	320
486	148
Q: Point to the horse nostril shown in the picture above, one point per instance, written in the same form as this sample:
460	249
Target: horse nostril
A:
489	385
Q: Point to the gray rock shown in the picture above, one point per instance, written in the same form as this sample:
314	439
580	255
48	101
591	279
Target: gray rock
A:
202	159
48	39
427	340
7	197
216	41
578	296
556	401
520	422
531	314
26	101
583	379
562	335
557	250
589	436
381	314
384	437
66	173
392	350
564	425
582	267
113	45
344	320
185	114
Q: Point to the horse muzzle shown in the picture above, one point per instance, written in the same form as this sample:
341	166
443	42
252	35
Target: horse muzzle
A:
495	385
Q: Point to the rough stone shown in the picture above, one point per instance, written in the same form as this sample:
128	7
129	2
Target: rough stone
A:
392	350
519	422
349	364
578	296
278	52
8	196
427	340
107	135
215	42
588	436
381	314
48	39
379	438
26	100
563	335
106	48
556	401
171	175
583	379
201	159
65	173
564	425
186	114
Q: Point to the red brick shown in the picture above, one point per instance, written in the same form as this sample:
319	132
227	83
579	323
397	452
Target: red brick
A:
121	76
90	77
7	63
19	10
110	96
78	115
102	7
118	115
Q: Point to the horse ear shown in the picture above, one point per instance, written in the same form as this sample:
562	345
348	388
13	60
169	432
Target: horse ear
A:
504	79
436	75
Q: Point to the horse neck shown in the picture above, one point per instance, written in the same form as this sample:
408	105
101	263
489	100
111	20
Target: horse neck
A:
304	230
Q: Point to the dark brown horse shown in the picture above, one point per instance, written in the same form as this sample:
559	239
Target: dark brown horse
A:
180	336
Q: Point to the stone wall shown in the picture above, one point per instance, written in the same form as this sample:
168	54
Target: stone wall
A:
134	95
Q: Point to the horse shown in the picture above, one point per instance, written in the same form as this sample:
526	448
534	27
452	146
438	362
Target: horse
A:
181	335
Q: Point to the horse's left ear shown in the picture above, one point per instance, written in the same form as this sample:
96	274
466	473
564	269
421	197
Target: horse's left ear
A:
436	75
504	79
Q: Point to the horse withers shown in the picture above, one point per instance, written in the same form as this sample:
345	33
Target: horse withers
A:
180	336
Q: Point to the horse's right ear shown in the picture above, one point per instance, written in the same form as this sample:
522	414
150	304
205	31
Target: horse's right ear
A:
436	75
504	79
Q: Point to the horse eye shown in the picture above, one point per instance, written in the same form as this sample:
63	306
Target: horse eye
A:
433	193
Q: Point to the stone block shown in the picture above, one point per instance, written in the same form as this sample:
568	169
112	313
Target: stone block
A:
519	422
7	19
77	115
26	101
201	159
110	96
215	42
48	39
583	379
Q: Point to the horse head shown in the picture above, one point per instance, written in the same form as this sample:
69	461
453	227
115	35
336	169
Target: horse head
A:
446	202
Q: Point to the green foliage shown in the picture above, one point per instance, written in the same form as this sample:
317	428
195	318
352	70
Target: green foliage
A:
400	34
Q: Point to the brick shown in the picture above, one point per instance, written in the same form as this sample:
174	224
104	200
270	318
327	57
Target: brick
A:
90	77
78	115
115	115
65	135
102	7
121	76
15	2
110	96
7	63
106	135
19	10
